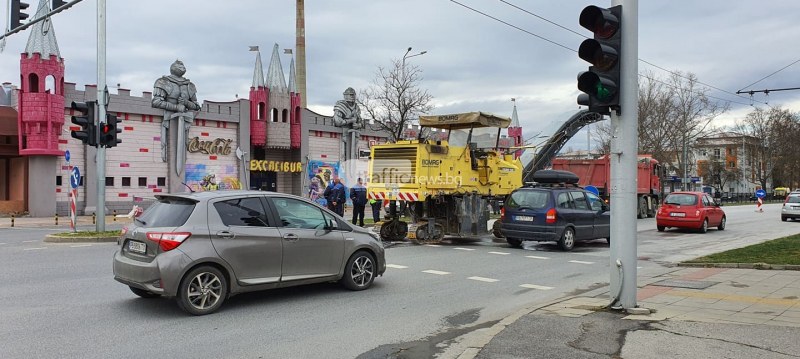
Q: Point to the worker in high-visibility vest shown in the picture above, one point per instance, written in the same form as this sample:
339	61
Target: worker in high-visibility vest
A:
376	209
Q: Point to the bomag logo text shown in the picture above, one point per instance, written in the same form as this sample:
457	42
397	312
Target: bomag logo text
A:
431	163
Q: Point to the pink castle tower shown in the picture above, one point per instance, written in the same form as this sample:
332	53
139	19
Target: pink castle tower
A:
41	97
258	105
515	131
294	114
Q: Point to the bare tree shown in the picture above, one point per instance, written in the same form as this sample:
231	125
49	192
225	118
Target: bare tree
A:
394	99
768	130
717	173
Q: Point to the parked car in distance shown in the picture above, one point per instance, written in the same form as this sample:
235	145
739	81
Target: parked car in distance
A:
200	248
554	209
690	210
791	207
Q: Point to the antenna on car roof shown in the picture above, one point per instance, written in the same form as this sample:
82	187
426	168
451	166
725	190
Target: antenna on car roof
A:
187	186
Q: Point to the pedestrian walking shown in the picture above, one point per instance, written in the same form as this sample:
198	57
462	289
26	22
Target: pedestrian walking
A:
328	195
358	194
338	197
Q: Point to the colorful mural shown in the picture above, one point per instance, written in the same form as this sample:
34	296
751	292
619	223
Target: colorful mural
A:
319	175
202	177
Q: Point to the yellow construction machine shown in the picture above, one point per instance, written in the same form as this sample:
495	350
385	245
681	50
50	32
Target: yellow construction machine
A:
449	183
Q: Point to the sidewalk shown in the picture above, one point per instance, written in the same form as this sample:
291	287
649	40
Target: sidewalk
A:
695	313
63	221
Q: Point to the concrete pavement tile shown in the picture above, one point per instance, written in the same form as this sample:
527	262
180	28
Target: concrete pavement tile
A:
786	293
730	305
791	313
698	302
769	309
583	301
703	273
665	298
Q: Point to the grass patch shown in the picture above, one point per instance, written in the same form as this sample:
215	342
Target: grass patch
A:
89	234
784	250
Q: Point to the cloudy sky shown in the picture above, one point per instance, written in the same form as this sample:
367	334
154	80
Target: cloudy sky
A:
473	62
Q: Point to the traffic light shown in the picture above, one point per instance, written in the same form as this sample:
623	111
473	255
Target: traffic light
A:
16	13
57	4
601	83
109	131
88	132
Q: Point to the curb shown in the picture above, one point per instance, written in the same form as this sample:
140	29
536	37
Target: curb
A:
51	238
762	266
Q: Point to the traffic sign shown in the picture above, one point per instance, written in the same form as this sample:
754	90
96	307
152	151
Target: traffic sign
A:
761	193
66	155
75	177
592	189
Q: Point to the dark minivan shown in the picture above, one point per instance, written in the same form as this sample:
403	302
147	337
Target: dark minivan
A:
554	209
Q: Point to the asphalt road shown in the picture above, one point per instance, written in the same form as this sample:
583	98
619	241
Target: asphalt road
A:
61	300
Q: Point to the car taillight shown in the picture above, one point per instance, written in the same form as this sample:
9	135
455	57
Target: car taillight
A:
123	231
502	213
168	241
550	217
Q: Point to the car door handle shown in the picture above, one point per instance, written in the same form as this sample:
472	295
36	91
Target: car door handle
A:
291	237
225	234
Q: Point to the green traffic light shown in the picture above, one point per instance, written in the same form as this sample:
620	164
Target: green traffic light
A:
602	93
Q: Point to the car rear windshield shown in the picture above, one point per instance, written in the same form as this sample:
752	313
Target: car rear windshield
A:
167	212
793	199
533	199
682	199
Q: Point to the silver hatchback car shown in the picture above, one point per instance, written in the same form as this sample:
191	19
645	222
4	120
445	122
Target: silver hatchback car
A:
202	247
791	207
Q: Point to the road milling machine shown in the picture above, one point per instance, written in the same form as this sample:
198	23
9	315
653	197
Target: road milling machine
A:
447	183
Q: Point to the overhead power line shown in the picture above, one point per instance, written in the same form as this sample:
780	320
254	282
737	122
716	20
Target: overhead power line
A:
765	77
582	35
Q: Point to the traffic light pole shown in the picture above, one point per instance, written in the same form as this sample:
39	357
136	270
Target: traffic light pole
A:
624	159
101	114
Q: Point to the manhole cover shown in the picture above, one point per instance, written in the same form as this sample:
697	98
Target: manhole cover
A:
692	284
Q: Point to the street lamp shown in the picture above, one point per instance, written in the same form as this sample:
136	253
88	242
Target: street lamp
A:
406	56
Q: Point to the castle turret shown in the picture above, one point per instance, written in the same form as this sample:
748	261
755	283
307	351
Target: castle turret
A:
295	103
258	105
278	134
515	131
41	98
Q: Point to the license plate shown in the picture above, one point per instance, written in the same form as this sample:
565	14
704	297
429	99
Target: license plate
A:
523	218
137	247
677	214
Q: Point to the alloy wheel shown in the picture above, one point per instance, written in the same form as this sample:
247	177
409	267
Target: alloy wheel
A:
204	291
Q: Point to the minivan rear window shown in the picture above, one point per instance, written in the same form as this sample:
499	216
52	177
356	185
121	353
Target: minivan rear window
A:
167	212
532	199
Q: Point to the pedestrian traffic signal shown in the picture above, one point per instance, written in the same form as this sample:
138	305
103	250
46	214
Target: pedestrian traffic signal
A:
109	132
601	83
17	16
88	132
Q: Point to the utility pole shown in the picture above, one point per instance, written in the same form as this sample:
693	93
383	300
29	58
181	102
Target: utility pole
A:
102	103
624	158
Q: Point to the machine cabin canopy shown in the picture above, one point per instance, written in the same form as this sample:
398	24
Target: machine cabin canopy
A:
464	121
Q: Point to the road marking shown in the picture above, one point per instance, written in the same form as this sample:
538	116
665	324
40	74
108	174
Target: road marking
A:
35	248
81	245
432	245
581	262
537	257
482	279
500	253
30	241
534	286
464	249
431	271
2	244
396	266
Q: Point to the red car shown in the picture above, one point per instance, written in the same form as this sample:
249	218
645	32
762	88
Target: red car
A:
691	210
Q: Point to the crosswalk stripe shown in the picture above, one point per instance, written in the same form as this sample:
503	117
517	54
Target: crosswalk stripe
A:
397	266
482	279
464	249
537	257
35	248
30	241
500	253
432	245
581	262
534	286
431	271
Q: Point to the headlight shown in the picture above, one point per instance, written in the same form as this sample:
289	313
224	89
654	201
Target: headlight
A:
375	236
